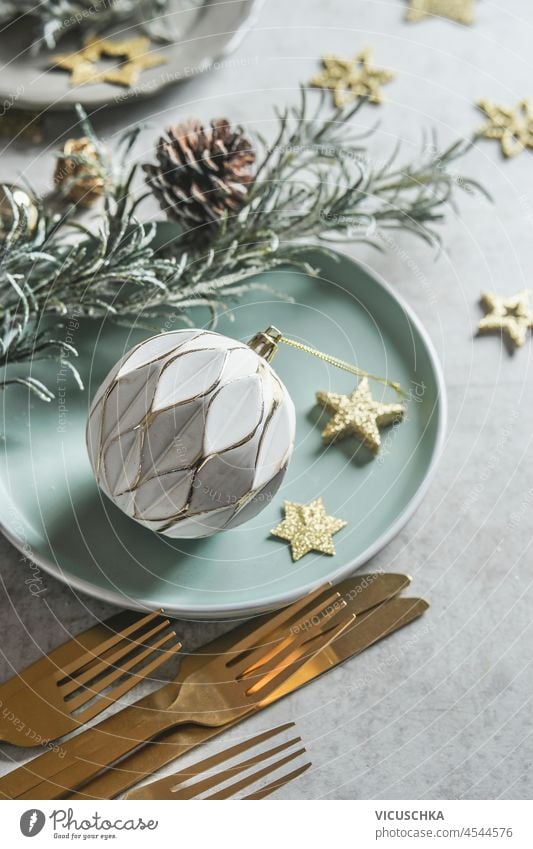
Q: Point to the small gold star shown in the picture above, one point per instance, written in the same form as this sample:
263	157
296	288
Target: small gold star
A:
350	79
461	11
512	126
83	64
308	528
512	316
358	415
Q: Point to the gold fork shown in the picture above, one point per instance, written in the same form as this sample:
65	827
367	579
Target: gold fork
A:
216	692
50	701
374	620
179	786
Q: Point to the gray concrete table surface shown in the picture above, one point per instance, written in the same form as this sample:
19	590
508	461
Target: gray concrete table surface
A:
443	709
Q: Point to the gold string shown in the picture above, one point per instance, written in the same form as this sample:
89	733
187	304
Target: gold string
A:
334	361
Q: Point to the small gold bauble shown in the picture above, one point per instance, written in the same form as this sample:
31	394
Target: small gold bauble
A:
12	195
78	174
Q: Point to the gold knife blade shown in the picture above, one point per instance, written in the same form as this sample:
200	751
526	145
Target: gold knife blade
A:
371	627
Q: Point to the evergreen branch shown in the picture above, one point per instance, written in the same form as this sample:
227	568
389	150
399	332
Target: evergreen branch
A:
315	183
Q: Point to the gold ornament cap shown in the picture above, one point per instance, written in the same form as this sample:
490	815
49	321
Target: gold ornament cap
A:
265	343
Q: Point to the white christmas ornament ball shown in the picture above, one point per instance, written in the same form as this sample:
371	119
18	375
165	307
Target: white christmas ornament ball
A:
191	433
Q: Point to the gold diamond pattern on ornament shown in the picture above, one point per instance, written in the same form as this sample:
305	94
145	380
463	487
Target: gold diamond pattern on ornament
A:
512	316
461	11
352	79
512	126
191	433
133	53
308	528
358	415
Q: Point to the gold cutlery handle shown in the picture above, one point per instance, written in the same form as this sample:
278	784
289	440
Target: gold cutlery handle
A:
104	746
148	760
110	733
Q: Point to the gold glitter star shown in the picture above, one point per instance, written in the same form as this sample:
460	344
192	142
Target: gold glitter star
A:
350	79
512	126
83	64
461	11
512	316
308	528
358	415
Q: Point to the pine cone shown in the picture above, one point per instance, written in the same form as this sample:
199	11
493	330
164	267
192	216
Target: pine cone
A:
202	173
79	181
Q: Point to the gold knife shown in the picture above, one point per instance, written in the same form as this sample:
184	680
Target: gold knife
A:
368	629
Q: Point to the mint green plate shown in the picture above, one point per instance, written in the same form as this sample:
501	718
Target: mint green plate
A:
53	511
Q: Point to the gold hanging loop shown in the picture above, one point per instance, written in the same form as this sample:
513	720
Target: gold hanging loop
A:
266	345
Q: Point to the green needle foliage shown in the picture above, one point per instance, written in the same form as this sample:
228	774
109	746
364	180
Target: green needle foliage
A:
315	183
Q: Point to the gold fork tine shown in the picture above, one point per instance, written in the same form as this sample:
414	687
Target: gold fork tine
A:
273	622
307	648
194	790
227	754
72	684
275	785
77	665
72	679
117	672
270	682
261	671
163	788
130	682
237	786
274	659
260	654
